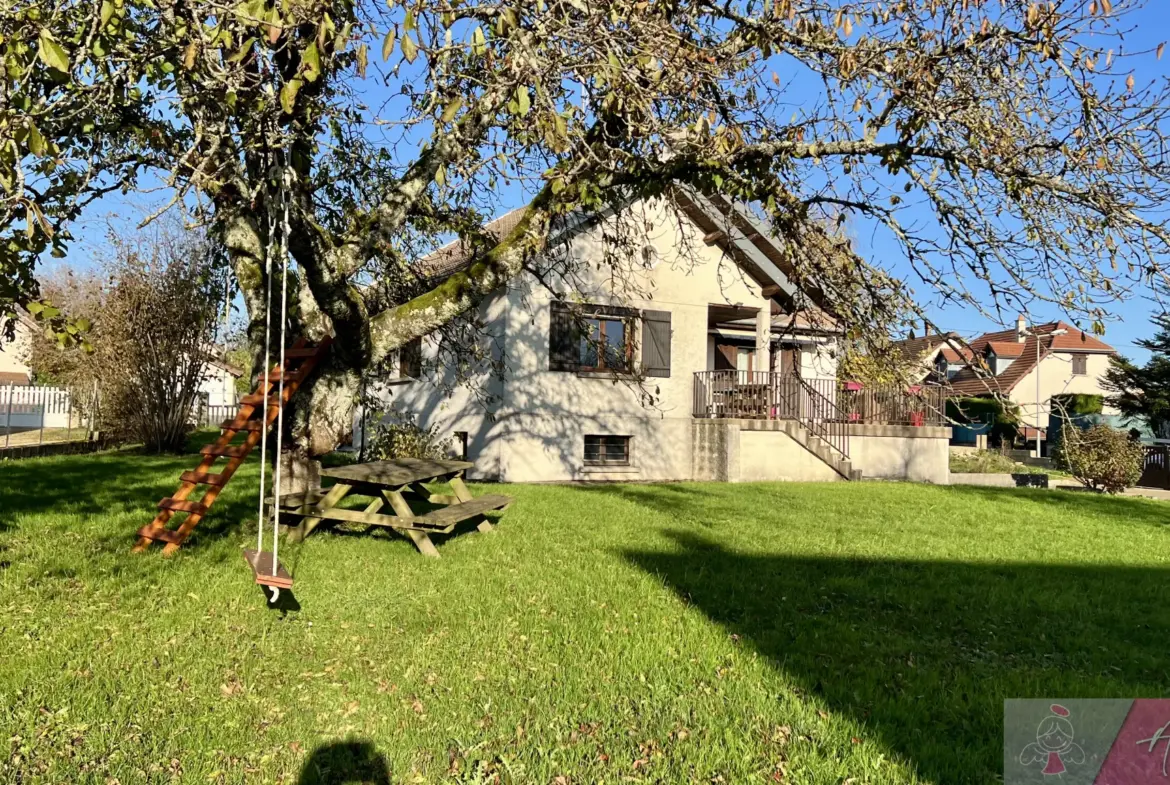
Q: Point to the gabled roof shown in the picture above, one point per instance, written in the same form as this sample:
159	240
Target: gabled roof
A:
725	224
456	256
970	381
1006	348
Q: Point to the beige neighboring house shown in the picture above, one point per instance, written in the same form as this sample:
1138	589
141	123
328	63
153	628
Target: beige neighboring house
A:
218	386
14	353
705	374
1010	364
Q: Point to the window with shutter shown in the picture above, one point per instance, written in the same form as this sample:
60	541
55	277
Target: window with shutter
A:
1080	365
590	337
656	343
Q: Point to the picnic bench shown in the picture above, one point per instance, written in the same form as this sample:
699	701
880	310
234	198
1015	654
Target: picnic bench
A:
397	483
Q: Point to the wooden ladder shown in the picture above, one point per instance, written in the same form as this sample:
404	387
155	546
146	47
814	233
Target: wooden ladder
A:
256	415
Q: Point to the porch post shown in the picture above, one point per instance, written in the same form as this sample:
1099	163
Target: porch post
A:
764	337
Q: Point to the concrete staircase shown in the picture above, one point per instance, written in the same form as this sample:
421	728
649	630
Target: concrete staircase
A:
821	449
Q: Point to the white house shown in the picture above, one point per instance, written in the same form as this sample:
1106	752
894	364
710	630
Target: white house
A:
14	353
690	362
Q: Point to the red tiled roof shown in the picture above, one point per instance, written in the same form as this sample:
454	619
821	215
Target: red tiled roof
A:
456	255
13	377
1006	348
970	382
955	356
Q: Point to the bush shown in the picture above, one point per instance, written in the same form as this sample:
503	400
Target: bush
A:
399	437
153	309
1100	457
988	462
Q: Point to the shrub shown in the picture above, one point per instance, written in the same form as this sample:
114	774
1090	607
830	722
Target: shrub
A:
1078	403
154	310
988	462
400	437
1100	457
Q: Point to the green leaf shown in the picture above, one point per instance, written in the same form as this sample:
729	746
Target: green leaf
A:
52	53
409	23
311	60
35	308
409	49
478	42
83	324
107	12
451	110
288	95
36	142
243	52
388	44
523	102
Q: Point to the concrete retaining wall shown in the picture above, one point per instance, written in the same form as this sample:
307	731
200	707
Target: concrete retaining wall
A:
901	452
751	451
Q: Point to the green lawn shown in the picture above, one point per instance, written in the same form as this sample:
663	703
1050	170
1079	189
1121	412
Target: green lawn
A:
861	632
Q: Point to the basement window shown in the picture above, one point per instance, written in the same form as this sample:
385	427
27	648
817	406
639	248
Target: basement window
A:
607	450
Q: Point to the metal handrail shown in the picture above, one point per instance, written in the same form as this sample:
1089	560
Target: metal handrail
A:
824	420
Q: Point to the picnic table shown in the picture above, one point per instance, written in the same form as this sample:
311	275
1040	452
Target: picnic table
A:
397	483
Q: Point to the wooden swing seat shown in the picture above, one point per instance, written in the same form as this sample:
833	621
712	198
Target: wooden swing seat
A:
261	564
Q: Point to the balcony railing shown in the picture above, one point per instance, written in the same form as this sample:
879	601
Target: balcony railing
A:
766	395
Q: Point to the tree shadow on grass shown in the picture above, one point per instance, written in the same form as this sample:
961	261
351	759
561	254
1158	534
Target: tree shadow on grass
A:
345	762
114	482
1061	500
924	653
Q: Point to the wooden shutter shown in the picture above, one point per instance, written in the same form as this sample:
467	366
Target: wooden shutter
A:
562	339
410	359
725	356
656	343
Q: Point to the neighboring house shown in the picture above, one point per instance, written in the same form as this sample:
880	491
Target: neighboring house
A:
935	357
1010	363
699	365
218	387
14	353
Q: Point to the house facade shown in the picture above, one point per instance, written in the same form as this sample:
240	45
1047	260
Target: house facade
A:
688	363
1028	366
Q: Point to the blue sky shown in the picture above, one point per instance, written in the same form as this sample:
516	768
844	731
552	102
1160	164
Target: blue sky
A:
1132	320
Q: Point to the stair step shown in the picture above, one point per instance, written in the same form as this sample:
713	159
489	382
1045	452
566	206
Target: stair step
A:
274	377
238	451
256	399
161	535
182	505
247	425
205	478
299	352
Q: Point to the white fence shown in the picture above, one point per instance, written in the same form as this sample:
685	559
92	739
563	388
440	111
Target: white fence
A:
36	414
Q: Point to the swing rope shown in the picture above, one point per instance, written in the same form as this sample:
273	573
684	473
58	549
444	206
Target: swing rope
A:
276	479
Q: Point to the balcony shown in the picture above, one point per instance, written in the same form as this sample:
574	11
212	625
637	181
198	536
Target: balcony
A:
773	396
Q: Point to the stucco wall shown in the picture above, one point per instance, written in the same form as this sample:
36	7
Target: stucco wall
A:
1056	378
14	353
901	452
753	451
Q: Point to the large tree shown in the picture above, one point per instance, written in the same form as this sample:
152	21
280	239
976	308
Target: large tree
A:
1006	143
1142	392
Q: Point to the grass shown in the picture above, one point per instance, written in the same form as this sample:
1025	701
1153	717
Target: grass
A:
862	632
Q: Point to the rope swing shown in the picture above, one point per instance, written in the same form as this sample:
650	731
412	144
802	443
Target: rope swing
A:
283	251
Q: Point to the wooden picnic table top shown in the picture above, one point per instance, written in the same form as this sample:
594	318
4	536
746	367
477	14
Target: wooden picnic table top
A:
401	471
